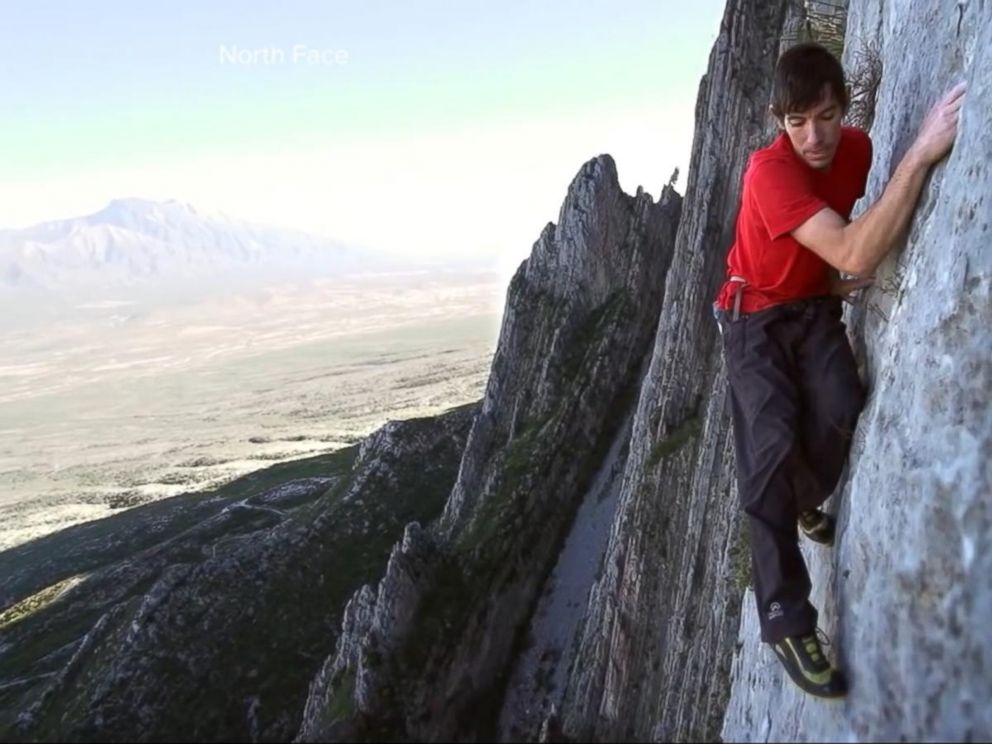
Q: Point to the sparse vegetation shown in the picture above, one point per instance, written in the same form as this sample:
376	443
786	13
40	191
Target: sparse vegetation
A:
37	601
344	691
740	555
688	430
503	512
127	500
584	341
863	82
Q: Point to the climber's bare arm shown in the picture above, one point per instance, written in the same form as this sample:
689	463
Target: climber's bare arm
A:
858	247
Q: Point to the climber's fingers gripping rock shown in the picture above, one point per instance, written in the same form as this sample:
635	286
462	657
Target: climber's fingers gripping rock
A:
939	128
843	287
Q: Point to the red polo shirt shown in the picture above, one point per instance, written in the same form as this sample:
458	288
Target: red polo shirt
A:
780	192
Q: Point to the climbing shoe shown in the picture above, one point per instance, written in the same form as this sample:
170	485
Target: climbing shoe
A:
817	526
804	660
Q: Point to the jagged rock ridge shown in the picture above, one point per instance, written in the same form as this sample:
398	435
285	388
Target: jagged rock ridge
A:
580	314
660	624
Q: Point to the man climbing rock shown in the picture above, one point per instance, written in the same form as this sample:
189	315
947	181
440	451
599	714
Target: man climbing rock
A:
794	386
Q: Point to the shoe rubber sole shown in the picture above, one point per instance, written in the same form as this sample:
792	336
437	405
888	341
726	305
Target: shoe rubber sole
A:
837	689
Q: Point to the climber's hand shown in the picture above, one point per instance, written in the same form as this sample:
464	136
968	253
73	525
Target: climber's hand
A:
843	287
940	126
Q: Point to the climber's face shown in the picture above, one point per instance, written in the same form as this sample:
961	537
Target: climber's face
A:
815	133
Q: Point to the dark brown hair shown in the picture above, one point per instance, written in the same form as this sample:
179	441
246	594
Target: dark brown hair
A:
800	75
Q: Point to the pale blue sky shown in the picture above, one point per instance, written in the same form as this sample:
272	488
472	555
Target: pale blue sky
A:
438	107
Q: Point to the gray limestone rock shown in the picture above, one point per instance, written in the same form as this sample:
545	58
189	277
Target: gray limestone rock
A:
580	315
660	625
905	593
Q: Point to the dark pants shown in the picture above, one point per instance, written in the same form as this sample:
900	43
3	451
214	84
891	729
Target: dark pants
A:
795	399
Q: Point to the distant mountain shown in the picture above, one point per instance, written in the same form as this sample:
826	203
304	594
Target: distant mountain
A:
137	242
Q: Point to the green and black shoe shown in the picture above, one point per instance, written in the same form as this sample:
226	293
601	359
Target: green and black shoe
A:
818	526
804	660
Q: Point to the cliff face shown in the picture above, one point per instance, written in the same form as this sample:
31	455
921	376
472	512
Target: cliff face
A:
640	646
653	659
427	654
905	592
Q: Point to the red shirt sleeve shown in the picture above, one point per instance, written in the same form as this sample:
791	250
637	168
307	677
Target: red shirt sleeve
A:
783	195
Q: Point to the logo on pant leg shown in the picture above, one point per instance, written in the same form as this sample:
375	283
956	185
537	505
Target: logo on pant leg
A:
775	611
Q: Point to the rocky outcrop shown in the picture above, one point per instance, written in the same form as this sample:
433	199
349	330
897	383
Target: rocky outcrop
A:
905	592
580	316
213	624
653	661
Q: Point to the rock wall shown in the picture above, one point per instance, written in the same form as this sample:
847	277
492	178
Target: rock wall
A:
581	312
905	592
660	625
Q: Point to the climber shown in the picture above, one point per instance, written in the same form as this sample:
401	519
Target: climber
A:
794	387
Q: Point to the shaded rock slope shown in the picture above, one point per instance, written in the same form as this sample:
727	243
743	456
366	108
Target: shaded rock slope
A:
205	616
